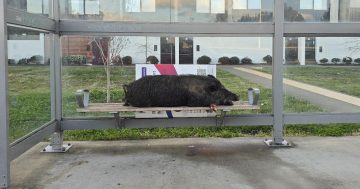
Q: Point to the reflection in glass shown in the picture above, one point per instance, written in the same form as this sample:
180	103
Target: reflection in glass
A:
202	6
240	4
223	11
148	6
217	6
133	5
32	6
331	63
77	7
29	80
121	10
255	4
169	10
92	7
306	4
322	11
320	4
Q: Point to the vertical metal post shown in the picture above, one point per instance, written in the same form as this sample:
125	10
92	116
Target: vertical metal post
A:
52	77
4	105
277	80
56	65
56	144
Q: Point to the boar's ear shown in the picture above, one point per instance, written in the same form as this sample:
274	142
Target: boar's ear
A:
211	76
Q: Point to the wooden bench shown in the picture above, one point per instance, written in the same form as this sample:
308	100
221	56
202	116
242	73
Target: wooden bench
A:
119	108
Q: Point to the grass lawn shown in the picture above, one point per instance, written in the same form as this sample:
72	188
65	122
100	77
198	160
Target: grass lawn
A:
345	79
30	105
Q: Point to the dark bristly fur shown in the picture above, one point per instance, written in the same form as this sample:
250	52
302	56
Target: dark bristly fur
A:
184	90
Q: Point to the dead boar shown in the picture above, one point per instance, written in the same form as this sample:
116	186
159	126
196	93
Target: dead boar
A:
183	90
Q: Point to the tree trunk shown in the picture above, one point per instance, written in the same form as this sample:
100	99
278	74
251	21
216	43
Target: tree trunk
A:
107	83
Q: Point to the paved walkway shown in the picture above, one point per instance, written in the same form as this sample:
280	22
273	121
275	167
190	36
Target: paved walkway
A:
193	163
327	99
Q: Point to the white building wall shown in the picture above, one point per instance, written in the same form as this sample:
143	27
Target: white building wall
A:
301	50
18	49
139	48
335	48
151	42
215	47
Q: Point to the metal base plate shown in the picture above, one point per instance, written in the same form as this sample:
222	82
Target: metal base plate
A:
49	149
271	143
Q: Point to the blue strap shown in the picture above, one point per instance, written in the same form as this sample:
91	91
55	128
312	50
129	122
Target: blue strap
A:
169	114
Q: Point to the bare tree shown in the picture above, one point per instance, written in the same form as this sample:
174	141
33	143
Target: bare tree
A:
110	49
145	49
353	45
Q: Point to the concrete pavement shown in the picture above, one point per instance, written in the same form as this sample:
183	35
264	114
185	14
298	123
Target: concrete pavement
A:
236	163
329	100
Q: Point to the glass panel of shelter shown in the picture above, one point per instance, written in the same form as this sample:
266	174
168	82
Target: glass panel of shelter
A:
83	63
324	72
29	80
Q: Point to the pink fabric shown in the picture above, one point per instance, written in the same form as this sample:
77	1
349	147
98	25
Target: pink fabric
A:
166	69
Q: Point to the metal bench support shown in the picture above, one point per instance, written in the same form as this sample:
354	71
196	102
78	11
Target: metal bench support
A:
56	145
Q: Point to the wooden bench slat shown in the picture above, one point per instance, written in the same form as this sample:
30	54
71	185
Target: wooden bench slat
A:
119	107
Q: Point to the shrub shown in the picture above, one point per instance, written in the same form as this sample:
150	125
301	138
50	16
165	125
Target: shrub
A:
324	60
152	60
268	59
234	60
357	60
23	61
335	60
203	60
36	59
74	60
11	61
246	60
224	60
347	60
127	60
117	61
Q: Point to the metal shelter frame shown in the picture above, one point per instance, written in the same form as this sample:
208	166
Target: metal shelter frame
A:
278	29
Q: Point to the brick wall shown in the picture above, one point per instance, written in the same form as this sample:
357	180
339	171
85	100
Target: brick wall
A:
77	45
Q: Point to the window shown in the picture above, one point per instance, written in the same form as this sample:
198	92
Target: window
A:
320	4
85	7
254	4
77	7
306	4
140	6
240	4
210	6
247	4
92	7
314	4
38	7
202	6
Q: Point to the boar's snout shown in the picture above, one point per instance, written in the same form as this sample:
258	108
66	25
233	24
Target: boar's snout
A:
226	97
230	96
